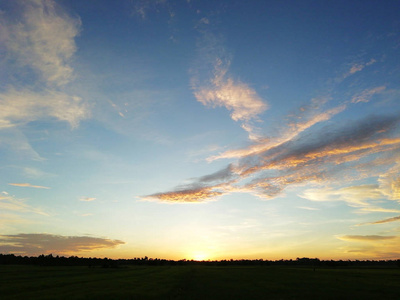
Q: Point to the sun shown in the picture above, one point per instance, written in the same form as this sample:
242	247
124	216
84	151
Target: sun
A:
199	256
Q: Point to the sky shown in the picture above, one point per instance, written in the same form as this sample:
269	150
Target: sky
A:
200	129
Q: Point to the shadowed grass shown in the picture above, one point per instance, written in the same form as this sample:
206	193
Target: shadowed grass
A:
197	282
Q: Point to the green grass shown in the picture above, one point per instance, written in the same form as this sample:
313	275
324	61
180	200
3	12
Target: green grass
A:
197	282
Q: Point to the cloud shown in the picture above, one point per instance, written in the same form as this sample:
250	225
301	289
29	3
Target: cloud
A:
143	7
307	208
42	38
238	97
39	40
390	182
394	219
359	67
293	130
23	106
43	243
379	209
87	199
367	94
29	185
352	195
189	195
213	86
344	153
18	144
224	174
365	238
10	203
36	173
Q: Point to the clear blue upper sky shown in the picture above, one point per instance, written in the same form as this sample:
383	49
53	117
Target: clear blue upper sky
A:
200	129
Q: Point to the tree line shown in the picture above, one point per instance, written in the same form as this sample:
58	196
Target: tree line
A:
50	260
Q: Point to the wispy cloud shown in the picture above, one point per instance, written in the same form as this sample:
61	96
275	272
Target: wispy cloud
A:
40	44
141	8
29	185
345	152
394	219
357	67
213	86
352	195
43	243
365	238
11	203
18	143
367	94
379	209
87	199
291	132
25	105
42	39
390	182
308	208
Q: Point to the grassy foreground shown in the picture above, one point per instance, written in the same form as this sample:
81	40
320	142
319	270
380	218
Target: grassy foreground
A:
197	282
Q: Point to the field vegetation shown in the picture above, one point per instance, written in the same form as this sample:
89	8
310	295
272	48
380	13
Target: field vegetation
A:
197	280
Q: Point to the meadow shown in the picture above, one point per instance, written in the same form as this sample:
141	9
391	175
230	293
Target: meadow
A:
197	282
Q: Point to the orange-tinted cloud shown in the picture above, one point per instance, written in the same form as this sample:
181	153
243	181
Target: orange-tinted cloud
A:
29	185
394	219
43	243
190	195
293	130
365	238
345	152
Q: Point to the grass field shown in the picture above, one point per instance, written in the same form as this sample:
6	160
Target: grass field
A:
197	282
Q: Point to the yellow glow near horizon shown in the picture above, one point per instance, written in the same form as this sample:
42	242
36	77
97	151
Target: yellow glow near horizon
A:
199	256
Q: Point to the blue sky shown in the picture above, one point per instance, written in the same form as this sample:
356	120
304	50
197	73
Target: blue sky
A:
200	129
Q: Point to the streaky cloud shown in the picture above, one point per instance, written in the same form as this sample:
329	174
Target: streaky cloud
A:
293	130
11	203
365	238
44	243
344	152
366	95
389	220
29	185
190	195
352	195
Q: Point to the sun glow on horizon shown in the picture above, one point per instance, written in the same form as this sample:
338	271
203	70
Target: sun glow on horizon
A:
200	256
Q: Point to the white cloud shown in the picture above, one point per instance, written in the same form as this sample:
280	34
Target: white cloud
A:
11	203
390	183
42	38
39	40
353	195
23	106
213	86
